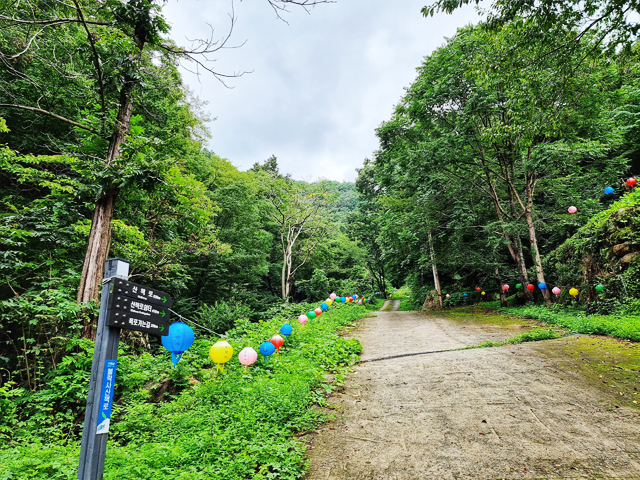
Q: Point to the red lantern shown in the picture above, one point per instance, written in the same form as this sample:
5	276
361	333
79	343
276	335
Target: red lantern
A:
530	287
479	289
277	342
318	311
349	299
631	181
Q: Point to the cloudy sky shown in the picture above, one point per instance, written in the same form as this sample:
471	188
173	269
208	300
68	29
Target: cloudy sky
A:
320	83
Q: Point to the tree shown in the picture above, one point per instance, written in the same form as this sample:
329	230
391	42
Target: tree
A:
301	214
86	66
613	19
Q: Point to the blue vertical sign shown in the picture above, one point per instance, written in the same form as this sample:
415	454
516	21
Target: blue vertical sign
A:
106	397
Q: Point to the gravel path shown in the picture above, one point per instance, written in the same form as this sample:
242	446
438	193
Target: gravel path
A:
484	413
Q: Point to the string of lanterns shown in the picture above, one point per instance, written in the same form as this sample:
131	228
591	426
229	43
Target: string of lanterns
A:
181	336
574	292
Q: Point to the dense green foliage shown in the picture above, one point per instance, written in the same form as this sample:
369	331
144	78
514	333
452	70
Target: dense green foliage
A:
484	154
190	422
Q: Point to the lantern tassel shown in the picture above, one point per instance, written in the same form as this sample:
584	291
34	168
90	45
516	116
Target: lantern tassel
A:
175	358
219	367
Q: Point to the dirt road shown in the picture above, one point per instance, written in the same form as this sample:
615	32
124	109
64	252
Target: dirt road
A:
502	412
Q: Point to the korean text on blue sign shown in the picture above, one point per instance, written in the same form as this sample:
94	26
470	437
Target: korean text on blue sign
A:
106	397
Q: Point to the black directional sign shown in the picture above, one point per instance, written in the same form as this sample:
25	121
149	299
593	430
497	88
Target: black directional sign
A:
140	308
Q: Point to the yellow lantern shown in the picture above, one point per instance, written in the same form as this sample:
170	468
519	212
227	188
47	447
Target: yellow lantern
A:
221	353
328	301
483	293
574	292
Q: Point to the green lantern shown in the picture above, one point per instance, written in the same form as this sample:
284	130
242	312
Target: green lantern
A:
600	288
518	285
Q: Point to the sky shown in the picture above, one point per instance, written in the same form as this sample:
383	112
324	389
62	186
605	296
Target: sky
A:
319	83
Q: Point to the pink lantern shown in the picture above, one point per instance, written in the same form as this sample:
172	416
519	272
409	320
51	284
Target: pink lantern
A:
572	209
359	302
247	356
448	295
505	287
333	296
303	319
277	342
556	291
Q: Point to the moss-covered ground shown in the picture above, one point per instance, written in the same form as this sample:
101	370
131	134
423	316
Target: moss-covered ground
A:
610	365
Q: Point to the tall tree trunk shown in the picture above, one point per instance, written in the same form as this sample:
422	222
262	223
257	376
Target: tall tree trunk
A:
100	234
514	247
522	271
534	242
436	277
503	296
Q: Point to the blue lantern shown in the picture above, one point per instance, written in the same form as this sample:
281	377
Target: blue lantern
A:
542	286
343	299
466	295
324	306
178	341
286	329
608	191
266	349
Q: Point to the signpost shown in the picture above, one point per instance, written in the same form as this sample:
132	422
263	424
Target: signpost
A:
140	308
123	305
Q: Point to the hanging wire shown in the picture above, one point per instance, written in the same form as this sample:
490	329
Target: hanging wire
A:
197	324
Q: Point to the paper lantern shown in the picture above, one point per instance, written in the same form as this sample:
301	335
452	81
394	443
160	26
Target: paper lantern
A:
478	289
542	286
465	294
359	302
311	315
343	299
221	353
303	319
505	288
572	209
318	311
355	297
178	341
333	296
608	191
447	295
600	287
286	329
247	356
277	342
574	292
631	181
267	349
328	301
349	299
556	291
530	287
324	306
518	285
483	293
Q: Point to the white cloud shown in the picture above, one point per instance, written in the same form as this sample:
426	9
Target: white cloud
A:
320	85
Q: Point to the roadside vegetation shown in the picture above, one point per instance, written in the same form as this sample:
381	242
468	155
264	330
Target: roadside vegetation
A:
191	422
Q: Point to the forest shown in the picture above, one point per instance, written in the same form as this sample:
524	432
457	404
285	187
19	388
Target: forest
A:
505	176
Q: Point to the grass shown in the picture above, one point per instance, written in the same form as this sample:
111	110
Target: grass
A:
228	426
620	326
407	305
534	335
